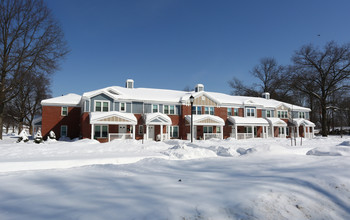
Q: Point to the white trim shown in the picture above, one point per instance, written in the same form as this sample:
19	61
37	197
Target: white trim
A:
102	101
62	110
120	106
152	108
250	108
101	125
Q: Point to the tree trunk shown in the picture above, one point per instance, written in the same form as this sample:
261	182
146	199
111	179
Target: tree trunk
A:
2	105
324	119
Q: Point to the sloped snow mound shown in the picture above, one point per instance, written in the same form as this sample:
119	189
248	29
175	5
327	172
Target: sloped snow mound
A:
223	151
243	151
345	143
182	151
340	150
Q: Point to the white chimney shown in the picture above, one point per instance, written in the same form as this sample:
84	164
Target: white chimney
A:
129	84
199	88
266	95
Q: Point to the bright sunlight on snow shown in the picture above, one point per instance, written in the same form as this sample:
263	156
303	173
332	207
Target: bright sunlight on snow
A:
213	179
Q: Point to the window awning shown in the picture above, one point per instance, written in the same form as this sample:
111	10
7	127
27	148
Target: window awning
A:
157	119
248	121
113	117
303	122
276	122
203	120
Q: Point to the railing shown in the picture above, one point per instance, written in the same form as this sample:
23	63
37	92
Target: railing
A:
282	136
120	136
208	136
165	137
309	135
244	135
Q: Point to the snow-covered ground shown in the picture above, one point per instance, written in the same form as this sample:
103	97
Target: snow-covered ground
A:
228	179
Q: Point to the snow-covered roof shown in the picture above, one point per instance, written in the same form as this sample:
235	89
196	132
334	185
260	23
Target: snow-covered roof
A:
112	117
237	120
301	121
276	122
157	119
205	120
70	99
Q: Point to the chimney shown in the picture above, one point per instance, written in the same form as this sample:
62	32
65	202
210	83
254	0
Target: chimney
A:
129	84
266	95
199	88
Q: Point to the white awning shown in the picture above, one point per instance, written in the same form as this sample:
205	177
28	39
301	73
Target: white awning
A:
248	121
201	120
113	117
303	122
276	122
157	119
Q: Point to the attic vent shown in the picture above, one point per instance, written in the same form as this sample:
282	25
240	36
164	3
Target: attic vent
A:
266	95
199	88
129	84
112	92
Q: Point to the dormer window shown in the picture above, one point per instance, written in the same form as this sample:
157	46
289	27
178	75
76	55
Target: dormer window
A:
282	114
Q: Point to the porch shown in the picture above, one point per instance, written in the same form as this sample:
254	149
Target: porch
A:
304	128
248	127
157	126
205	127
278	128
108	126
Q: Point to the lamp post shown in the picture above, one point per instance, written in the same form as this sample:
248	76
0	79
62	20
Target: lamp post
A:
191	100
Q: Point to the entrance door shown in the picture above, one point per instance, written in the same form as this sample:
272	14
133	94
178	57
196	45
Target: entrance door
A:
151	132
122	129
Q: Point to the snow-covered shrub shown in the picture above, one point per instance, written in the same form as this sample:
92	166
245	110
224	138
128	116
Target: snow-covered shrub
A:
23	137
38	138
52	135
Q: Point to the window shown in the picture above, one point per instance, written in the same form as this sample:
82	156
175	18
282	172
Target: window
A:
122	107
207	129
211	110
64	131
64	111
229	111
101	131
169	109
140	129
206	110
250	112
154	108
174	131
166	109
101	106
301	114
218	129
193	110
280	130
248	130
268	113
172	110
282	114
199	110
235	112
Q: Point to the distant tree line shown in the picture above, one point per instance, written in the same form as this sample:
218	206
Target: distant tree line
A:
31	46
317	78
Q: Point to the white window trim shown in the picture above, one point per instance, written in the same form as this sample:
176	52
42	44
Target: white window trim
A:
102	101
169	112
157	108
120	107
66	131
268	114
229	111
281	115
250	108
62	110
172	131
101	131
207	127
234	112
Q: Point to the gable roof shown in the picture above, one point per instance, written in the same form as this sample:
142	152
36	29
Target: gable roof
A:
70	99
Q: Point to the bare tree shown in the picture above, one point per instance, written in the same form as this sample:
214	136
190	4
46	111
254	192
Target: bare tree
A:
31	42
321	73
240	89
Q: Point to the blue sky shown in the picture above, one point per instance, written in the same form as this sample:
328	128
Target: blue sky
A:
172	44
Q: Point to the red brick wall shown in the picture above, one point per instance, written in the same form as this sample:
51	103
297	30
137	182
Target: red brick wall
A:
259	113
241	112
85	125
52	120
